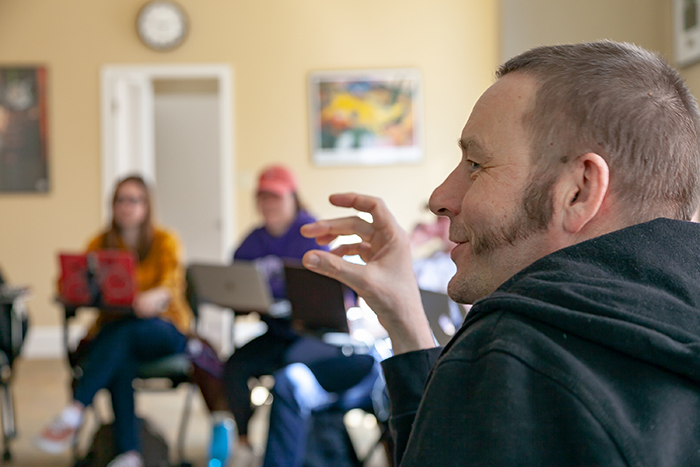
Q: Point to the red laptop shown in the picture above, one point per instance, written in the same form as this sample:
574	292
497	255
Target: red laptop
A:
102	278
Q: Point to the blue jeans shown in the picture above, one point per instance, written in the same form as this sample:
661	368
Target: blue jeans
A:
301	390
112	360
265	355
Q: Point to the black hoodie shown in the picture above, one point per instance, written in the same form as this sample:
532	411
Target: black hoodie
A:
588	357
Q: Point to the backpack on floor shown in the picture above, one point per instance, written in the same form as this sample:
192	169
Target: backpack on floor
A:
328	443
154	449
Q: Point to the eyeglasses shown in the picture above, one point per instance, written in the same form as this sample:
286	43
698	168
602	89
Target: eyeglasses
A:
129	200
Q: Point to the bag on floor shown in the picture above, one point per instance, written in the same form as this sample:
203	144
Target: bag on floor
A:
154	449
328	443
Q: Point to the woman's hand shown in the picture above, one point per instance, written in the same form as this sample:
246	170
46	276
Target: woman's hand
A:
387	281
152	302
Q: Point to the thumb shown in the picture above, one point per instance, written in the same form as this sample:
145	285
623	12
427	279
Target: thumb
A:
335	267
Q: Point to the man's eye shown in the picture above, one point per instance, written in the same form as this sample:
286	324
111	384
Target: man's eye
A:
473	165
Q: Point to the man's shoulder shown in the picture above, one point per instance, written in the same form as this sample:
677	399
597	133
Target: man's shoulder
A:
505	335
486	332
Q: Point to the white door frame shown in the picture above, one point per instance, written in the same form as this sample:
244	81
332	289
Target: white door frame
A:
115	81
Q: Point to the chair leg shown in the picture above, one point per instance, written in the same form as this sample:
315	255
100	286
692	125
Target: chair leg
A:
182	431
8	419
75	447
384	436
92	421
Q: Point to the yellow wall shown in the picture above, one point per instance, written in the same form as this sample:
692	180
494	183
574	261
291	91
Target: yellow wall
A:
649	23
271	45
691	74
530	23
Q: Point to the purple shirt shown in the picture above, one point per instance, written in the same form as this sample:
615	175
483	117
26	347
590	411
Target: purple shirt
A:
269	251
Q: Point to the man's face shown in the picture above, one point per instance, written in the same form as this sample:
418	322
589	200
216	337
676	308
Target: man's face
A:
483	196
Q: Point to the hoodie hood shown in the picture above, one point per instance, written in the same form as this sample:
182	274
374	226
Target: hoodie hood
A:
635	290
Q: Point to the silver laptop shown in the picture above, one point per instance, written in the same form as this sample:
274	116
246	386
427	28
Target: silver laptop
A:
239	286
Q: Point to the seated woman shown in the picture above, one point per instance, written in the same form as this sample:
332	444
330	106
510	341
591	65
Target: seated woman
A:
277	239
157	327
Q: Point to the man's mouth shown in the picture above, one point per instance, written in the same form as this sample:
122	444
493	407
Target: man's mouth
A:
456	251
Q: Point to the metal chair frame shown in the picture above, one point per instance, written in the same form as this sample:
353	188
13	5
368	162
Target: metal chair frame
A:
13	301
147	371
153	370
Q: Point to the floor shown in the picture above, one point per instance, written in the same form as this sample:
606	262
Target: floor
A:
40	390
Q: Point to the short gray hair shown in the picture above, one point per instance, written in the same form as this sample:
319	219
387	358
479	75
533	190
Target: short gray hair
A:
625	104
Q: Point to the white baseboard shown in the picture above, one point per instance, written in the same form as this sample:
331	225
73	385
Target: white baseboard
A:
47	341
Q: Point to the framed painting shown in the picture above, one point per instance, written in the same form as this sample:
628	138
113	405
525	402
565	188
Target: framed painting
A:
686	31
23	151
365	117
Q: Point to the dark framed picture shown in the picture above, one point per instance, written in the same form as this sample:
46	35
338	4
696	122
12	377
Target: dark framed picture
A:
365	117
23	132
686	31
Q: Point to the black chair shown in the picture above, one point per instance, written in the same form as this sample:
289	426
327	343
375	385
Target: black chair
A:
328	436
13	328
379	409
174	370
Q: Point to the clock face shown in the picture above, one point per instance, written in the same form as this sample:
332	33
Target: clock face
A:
161	24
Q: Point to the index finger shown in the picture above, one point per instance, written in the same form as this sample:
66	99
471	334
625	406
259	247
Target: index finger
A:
381	217
334	227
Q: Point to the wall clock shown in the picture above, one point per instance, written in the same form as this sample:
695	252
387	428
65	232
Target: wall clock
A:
162	25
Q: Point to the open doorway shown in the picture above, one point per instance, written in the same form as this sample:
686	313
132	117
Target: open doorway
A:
187	164
173	125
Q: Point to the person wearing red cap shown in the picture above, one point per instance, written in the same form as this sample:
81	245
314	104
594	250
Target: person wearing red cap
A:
278	238
278	201
328	377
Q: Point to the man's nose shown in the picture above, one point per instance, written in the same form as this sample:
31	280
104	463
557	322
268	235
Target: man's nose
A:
446	199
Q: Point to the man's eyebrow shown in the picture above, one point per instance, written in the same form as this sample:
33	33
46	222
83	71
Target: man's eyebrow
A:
472	146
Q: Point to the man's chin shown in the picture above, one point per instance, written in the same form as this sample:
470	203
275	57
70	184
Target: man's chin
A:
461	291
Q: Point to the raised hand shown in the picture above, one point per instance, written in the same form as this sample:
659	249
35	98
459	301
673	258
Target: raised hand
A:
387	281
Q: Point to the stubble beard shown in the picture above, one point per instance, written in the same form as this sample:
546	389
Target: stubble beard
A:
532	216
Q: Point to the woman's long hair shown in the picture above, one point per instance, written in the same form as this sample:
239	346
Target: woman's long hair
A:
145	241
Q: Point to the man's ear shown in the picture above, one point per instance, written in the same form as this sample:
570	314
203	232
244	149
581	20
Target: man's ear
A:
584	187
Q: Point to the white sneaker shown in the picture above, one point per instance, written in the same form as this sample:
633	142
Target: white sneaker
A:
56	437
127	459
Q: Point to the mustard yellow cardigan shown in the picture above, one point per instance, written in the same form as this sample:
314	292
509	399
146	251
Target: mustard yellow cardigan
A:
162	267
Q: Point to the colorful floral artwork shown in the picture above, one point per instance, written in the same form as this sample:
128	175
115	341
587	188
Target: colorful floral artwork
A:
370	117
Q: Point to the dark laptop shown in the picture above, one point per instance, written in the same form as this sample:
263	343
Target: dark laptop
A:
318	302
437	310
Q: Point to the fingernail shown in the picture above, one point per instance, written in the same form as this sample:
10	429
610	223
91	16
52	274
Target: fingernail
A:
312	261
